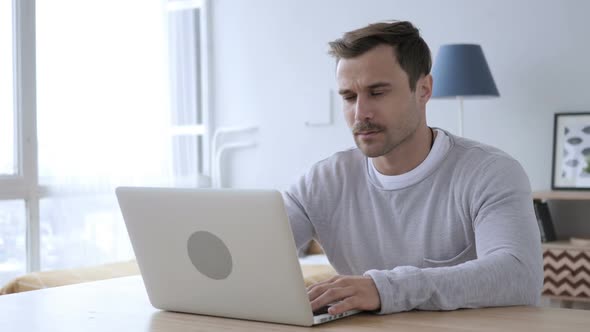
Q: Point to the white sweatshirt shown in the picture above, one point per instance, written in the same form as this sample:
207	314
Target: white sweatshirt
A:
456	232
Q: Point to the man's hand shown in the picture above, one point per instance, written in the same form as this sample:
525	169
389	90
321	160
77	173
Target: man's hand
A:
348	292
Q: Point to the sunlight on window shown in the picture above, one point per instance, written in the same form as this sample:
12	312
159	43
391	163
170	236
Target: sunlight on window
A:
103	120
12	240
7	141
101	229
102	103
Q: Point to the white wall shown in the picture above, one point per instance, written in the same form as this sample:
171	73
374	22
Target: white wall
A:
271	69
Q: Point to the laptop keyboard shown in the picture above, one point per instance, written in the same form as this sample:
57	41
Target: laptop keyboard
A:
321	311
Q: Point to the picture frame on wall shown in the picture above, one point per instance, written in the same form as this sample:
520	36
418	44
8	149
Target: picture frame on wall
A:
571	151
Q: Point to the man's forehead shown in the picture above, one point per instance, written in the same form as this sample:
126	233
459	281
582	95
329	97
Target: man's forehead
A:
368	68
364	79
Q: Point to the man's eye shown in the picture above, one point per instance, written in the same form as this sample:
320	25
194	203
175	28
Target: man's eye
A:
376	93
348	98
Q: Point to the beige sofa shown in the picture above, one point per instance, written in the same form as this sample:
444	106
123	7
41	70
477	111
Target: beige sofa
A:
312	273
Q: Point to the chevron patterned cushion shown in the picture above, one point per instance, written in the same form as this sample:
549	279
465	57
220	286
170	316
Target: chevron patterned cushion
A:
567	272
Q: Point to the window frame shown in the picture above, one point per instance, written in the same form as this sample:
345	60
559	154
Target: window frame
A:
202	130
24	185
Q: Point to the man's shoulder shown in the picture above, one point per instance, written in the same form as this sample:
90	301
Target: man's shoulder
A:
342	162
483	163
470	153
350	154
331	173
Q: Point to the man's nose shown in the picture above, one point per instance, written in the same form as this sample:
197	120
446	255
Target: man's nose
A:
363	110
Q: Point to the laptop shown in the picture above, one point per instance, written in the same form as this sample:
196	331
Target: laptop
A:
227	253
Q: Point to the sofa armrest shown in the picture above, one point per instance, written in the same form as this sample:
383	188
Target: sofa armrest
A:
312	273
46	279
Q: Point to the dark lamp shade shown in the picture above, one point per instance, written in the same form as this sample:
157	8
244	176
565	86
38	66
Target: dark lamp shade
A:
461	70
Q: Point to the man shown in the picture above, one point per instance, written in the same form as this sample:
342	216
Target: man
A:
415	217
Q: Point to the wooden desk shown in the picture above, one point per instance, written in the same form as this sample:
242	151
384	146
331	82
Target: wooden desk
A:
121	304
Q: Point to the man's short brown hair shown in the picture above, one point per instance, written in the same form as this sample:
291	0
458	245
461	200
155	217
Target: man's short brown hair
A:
411	50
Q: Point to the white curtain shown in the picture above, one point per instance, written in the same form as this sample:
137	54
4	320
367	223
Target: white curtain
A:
103	121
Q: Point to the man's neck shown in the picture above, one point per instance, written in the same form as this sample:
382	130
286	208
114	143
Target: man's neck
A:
408	155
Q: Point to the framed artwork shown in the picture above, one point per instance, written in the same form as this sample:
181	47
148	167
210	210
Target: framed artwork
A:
571	151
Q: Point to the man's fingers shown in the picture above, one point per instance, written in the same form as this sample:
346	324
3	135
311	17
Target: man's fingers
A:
347	293
331	295
349	303
321	283
318	289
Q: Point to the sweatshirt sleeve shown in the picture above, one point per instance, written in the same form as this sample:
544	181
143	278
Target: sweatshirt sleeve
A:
296	207
508	268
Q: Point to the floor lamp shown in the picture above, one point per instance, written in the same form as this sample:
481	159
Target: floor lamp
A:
461	70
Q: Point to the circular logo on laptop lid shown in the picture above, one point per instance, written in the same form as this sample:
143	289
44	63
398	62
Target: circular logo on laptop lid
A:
209	255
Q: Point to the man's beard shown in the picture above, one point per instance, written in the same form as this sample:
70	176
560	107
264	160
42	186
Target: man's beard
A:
381	147
367	127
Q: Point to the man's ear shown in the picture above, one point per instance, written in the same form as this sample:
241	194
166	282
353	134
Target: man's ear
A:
424	88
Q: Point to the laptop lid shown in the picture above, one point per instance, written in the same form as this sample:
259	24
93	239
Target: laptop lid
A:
225	253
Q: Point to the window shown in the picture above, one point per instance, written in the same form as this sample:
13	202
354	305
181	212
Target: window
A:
102	119
12	239
113	104
15	170
7	119
187	54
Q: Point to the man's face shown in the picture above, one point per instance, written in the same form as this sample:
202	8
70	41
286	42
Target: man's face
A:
379	106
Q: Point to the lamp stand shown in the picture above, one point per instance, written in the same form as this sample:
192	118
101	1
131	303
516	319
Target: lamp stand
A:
460	98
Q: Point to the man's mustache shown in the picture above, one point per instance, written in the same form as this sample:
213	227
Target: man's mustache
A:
365	127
